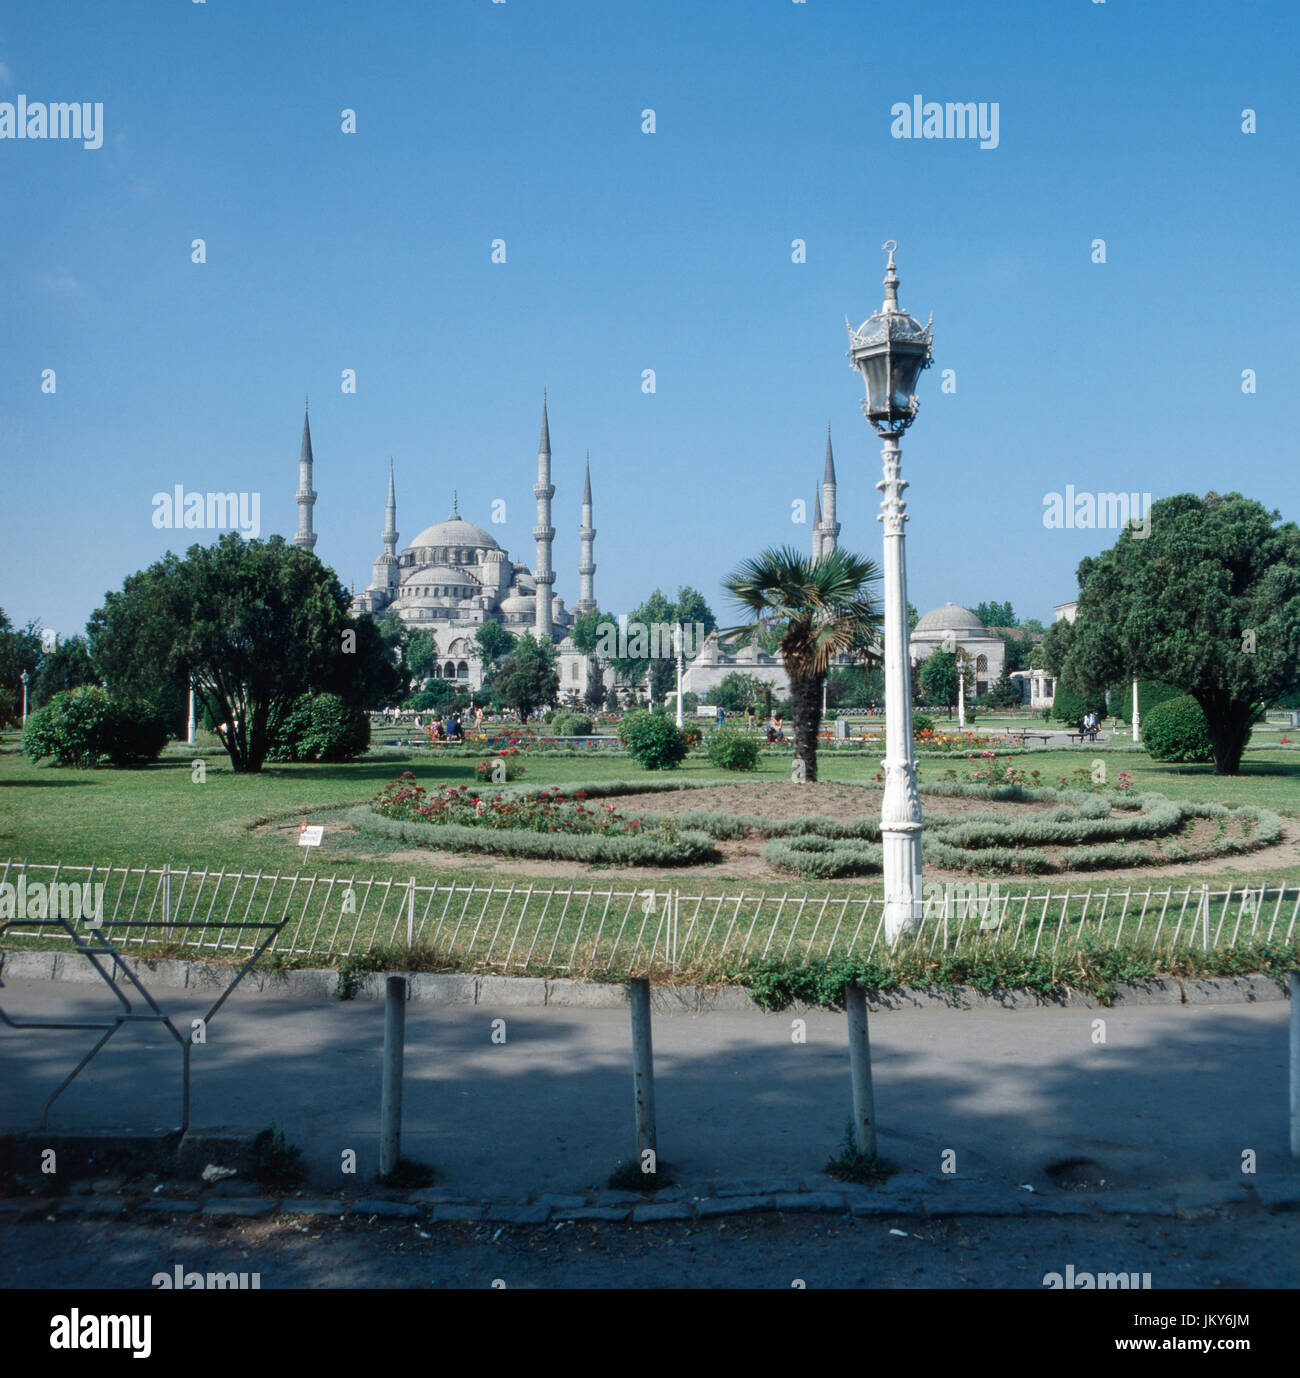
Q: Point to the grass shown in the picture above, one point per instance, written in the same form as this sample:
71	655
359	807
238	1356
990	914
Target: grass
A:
160	814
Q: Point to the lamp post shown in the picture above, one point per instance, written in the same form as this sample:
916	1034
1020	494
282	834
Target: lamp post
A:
961	689
677	638
23	677
1137	722
190	723
889	350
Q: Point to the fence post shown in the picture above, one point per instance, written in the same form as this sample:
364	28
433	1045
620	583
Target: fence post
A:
864	1109
410	916
1294	983
390	1105
167	898
643	1071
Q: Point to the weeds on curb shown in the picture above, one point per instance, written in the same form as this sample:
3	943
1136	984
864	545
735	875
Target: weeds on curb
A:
851	1166
276	1163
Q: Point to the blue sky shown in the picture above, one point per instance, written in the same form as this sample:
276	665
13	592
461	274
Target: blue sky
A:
629	251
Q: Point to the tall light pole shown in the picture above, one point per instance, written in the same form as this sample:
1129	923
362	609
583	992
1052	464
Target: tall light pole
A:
961	689
677	638
889	350
23	677
190	723
1137	721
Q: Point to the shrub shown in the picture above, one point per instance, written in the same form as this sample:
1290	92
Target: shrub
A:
85	728
320	727
1175	731
733	750
652	740
570	724
922	722
1069	706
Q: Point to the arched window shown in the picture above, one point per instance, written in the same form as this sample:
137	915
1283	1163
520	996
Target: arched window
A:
449	671
462	671
981	665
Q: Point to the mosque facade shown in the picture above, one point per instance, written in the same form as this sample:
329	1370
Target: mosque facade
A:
453	577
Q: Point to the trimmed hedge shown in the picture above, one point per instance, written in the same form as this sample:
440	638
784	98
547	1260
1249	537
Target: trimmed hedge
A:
628	850
1175	731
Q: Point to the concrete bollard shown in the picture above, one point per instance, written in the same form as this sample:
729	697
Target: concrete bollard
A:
390	1105
643	1069
1295	1064
864	1109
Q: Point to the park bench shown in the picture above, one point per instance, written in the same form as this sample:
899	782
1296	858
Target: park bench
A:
1080	737
1018	736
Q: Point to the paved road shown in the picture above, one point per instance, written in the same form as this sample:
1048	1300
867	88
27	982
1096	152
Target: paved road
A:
1172	1094
1234	1249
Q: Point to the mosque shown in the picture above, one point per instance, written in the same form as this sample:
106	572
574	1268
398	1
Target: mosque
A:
454	576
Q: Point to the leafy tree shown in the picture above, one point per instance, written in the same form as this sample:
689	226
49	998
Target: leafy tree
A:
1033	626
736	692
492	641
421	657
813	612
996	614
66	665
20	649
939	679
1003	693
586	629
913	617
1208	600
855	686
253	625
691	608
528	677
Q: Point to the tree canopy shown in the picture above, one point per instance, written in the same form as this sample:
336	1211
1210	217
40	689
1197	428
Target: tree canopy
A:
253	625
1208	600
527	678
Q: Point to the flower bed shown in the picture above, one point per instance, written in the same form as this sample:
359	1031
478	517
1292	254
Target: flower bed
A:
537	823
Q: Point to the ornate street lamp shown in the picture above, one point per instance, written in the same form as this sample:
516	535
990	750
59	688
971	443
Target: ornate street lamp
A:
23	677
889	350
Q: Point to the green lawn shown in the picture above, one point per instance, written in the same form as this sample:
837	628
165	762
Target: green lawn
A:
160	814
145	817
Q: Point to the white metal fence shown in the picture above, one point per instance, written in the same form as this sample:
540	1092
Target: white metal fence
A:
552	928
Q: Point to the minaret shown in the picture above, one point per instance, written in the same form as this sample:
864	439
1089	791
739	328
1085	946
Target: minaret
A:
386	566
306	537
543	532
587	562
830	527
817	530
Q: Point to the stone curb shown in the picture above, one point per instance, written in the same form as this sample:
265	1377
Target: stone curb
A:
450	988
901	1196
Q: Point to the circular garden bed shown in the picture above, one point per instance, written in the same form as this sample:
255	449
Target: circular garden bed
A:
817	831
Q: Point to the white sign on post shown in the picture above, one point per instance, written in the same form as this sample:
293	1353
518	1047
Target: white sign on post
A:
310	835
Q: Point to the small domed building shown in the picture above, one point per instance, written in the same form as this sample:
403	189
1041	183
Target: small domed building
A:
952	628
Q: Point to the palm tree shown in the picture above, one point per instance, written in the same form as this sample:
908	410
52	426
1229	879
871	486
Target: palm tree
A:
810	612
